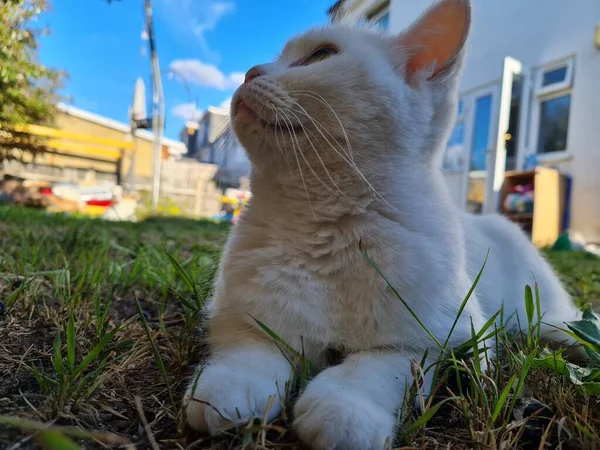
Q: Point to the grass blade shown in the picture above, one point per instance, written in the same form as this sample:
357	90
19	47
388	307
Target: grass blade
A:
57	356
529	307
182	273
397	294
91	356
32	427
157	358
524	371
283	344
538	307
71	342
425	417
54	440
502	399
466	300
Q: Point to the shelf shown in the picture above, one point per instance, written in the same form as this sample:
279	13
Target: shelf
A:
545	222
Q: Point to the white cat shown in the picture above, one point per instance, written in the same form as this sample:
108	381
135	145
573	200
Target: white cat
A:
345	132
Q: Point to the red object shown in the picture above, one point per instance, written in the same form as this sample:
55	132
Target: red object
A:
100	202
46	190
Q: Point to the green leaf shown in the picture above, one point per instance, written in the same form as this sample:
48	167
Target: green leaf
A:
54	440
589	314
594	356
588	376
591	388
588	331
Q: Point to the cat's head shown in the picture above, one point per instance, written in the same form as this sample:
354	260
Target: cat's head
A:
349	97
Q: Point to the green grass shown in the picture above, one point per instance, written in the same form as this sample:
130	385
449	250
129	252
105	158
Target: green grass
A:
100	331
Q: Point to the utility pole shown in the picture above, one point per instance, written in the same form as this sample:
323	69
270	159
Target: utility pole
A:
158	107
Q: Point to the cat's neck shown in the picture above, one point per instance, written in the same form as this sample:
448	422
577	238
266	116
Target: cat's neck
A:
298	199
400	196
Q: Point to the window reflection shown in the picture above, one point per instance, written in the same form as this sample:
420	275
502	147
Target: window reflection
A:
554	124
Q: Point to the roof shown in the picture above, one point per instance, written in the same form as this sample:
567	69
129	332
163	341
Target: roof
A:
175	147
218	121
216	110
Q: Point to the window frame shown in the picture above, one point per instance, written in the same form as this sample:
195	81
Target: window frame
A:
460	119
566	84
545	93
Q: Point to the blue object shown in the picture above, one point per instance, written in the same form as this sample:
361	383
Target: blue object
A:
530	162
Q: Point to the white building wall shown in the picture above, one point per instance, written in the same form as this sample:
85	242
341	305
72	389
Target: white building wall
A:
535	32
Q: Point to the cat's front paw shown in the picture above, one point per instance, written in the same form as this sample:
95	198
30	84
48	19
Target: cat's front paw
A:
329	417
233	390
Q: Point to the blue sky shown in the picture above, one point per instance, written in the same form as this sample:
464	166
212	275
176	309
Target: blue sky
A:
212	42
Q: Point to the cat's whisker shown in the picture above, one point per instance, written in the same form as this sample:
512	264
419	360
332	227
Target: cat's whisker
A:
290	128
351	163
322	127
305	131
278	127
325	128
295	138
324	101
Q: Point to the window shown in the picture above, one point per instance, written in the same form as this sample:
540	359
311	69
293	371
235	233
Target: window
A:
481	132
454	154
553	91
554	76
554	124
380	17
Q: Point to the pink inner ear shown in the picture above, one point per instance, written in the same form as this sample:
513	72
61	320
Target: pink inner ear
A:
438	36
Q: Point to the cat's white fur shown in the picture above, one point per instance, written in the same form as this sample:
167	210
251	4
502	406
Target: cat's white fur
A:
366	177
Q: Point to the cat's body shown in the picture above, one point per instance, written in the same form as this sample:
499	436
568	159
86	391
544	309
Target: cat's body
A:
346	153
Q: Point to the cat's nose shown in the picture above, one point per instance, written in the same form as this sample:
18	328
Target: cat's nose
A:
253	73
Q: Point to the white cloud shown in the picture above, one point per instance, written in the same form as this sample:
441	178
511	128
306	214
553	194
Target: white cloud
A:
196	18
187	111
207	75
226	104
236	78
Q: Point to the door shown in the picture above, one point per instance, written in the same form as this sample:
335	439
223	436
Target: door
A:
490	117
481	121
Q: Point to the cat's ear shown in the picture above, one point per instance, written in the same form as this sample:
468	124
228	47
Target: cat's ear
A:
432	45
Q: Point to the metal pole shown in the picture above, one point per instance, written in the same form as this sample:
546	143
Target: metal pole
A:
157	108
132	153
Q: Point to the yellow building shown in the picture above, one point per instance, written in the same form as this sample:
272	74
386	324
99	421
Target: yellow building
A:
85	141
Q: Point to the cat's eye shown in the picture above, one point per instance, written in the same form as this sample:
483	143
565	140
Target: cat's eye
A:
321	53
